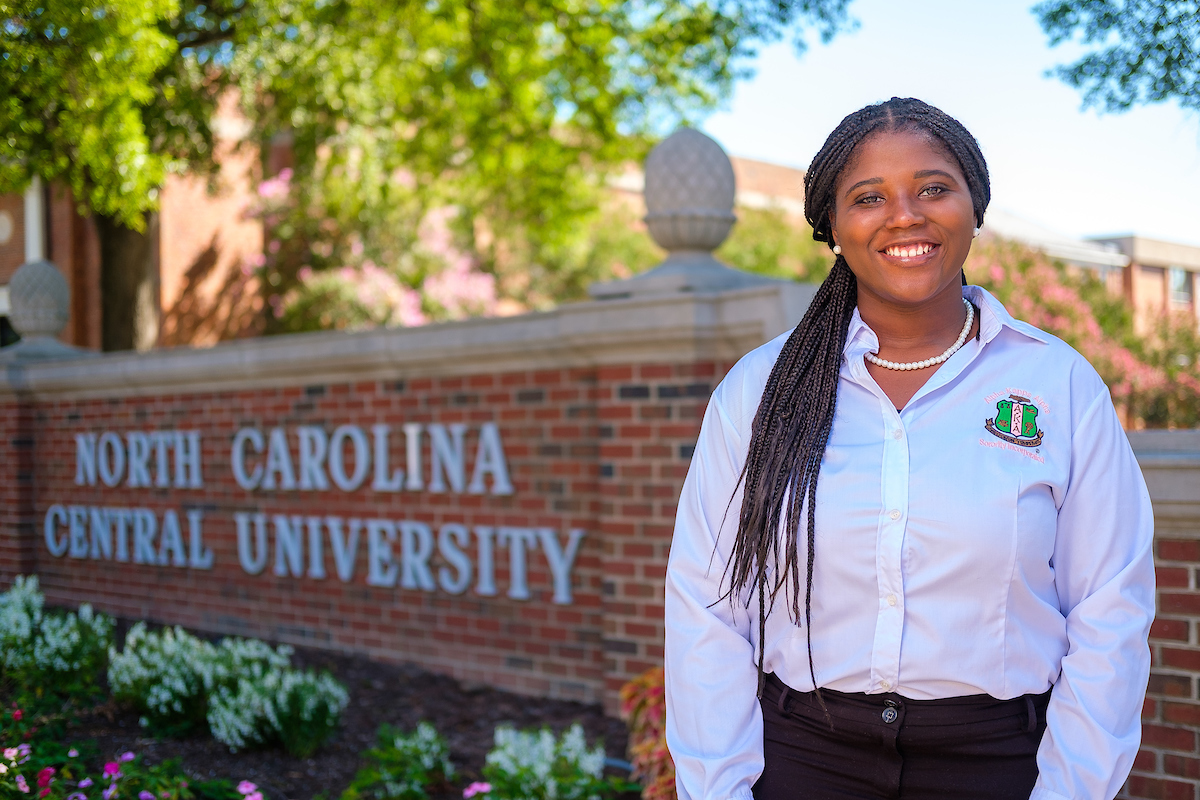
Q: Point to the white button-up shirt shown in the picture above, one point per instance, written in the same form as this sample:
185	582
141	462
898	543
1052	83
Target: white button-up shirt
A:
993	537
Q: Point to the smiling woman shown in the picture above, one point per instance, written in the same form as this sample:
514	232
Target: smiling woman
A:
975	624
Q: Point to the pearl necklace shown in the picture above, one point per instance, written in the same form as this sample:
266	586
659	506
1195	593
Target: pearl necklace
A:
929	362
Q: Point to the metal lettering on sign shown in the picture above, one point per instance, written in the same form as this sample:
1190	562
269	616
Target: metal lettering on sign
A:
307	458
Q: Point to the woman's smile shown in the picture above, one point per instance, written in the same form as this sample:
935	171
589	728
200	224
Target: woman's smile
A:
910	253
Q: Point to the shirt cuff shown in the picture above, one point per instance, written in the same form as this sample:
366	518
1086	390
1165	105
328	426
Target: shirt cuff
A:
742	794
1045	794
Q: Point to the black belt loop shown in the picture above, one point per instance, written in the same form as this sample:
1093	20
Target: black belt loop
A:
1031	712
783	696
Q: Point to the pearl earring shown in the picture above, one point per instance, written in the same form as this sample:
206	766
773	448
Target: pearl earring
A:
837	249
975	233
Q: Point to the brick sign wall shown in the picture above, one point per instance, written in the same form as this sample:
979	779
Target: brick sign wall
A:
539	569
491	500
584	422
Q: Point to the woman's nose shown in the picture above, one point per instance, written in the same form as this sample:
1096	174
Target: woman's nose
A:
906	212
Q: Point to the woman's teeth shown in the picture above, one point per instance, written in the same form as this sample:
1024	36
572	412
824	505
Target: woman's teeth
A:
910	251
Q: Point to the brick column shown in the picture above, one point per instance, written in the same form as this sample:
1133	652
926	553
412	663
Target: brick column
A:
1168	765
17	529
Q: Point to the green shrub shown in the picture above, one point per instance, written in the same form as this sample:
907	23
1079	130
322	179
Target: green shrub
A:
536	765
403	766
162	675
50	656
242	690
26	771
267	703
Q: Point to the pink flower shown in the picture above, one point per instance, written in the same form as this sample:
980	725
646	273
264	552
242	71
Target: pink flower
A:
73	753
110	791
17	715
254	796
112	769
85	783
144	795
44	792
246	787
476	788
22	785
126	756
45	777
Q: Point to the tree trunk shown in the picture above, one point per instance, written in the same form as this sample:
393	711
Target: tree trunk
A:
128	284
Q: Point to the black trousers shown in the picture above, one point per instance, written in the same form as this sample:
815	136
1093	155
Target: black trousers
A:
885	746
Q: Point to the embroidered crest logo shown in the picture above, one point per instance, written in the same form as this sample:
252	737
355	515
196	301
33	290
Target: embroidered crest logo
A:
1015	422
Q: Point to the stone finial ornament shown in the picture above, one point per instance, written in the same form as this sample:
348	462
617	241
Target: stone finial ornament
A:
40	300
39	306
689	190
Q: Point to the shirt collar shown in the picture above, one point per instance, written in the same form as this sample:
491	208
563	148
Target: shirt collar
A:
993	317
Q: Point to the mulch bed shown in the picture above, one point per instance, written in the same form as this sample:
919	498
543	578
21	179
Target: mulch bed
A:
379	693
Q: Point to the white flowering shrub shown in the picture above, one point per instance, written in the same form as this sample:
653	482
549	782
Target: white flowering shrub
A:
404	766
50	653
243	690
165	674
537	765
268	703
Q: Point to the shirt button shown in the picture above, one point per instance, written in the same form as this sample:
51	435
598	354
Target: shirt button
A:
897	434
891	599
884	685
894	513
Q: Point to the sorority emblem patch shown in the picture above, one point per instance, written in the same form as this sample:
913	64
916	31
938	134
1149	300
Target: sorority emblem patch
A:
1015	422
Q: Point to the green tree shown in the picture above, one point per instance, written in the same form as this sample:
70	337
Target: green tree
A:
1146	51
108	97
766	242
510	112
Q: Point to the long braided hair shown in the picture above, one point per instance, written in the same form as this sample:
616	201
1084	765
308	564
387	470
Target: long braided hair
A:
786	447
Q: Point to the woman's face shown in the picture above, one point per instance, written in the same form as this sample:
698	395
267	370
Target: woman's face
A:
904	218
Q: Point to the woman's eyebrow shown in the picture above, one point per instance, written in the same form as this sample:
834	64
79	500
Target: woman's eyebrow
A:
868	181
927	173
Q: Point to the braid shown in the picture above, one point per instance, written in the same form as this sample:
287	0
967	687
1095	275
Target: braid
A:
784	457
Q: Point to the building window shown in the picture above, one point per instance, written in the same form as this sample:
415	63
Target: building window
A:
1180	283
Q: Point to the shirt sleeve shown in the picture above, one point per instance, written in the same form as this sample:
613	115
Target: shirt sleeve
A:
714	722
1104	576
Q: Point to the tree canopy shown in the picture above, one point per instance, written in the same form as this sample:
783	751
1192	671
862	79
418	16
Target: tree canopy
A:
509	111
1146	51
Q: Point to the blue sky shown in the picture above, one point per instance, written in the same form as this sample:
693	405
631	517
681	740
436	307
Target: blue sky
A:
1077	172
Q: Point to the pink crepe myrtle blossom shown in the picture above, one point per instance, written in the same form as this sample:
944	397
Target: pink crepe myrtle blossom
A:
73	753
246	787
112	770
45	777
476	788
22	784
254	796
85	783
277	187
126	756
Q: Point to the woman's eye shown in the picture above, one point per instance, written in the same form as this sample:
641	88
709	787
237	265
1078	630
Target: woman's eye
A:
933	191
869	200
